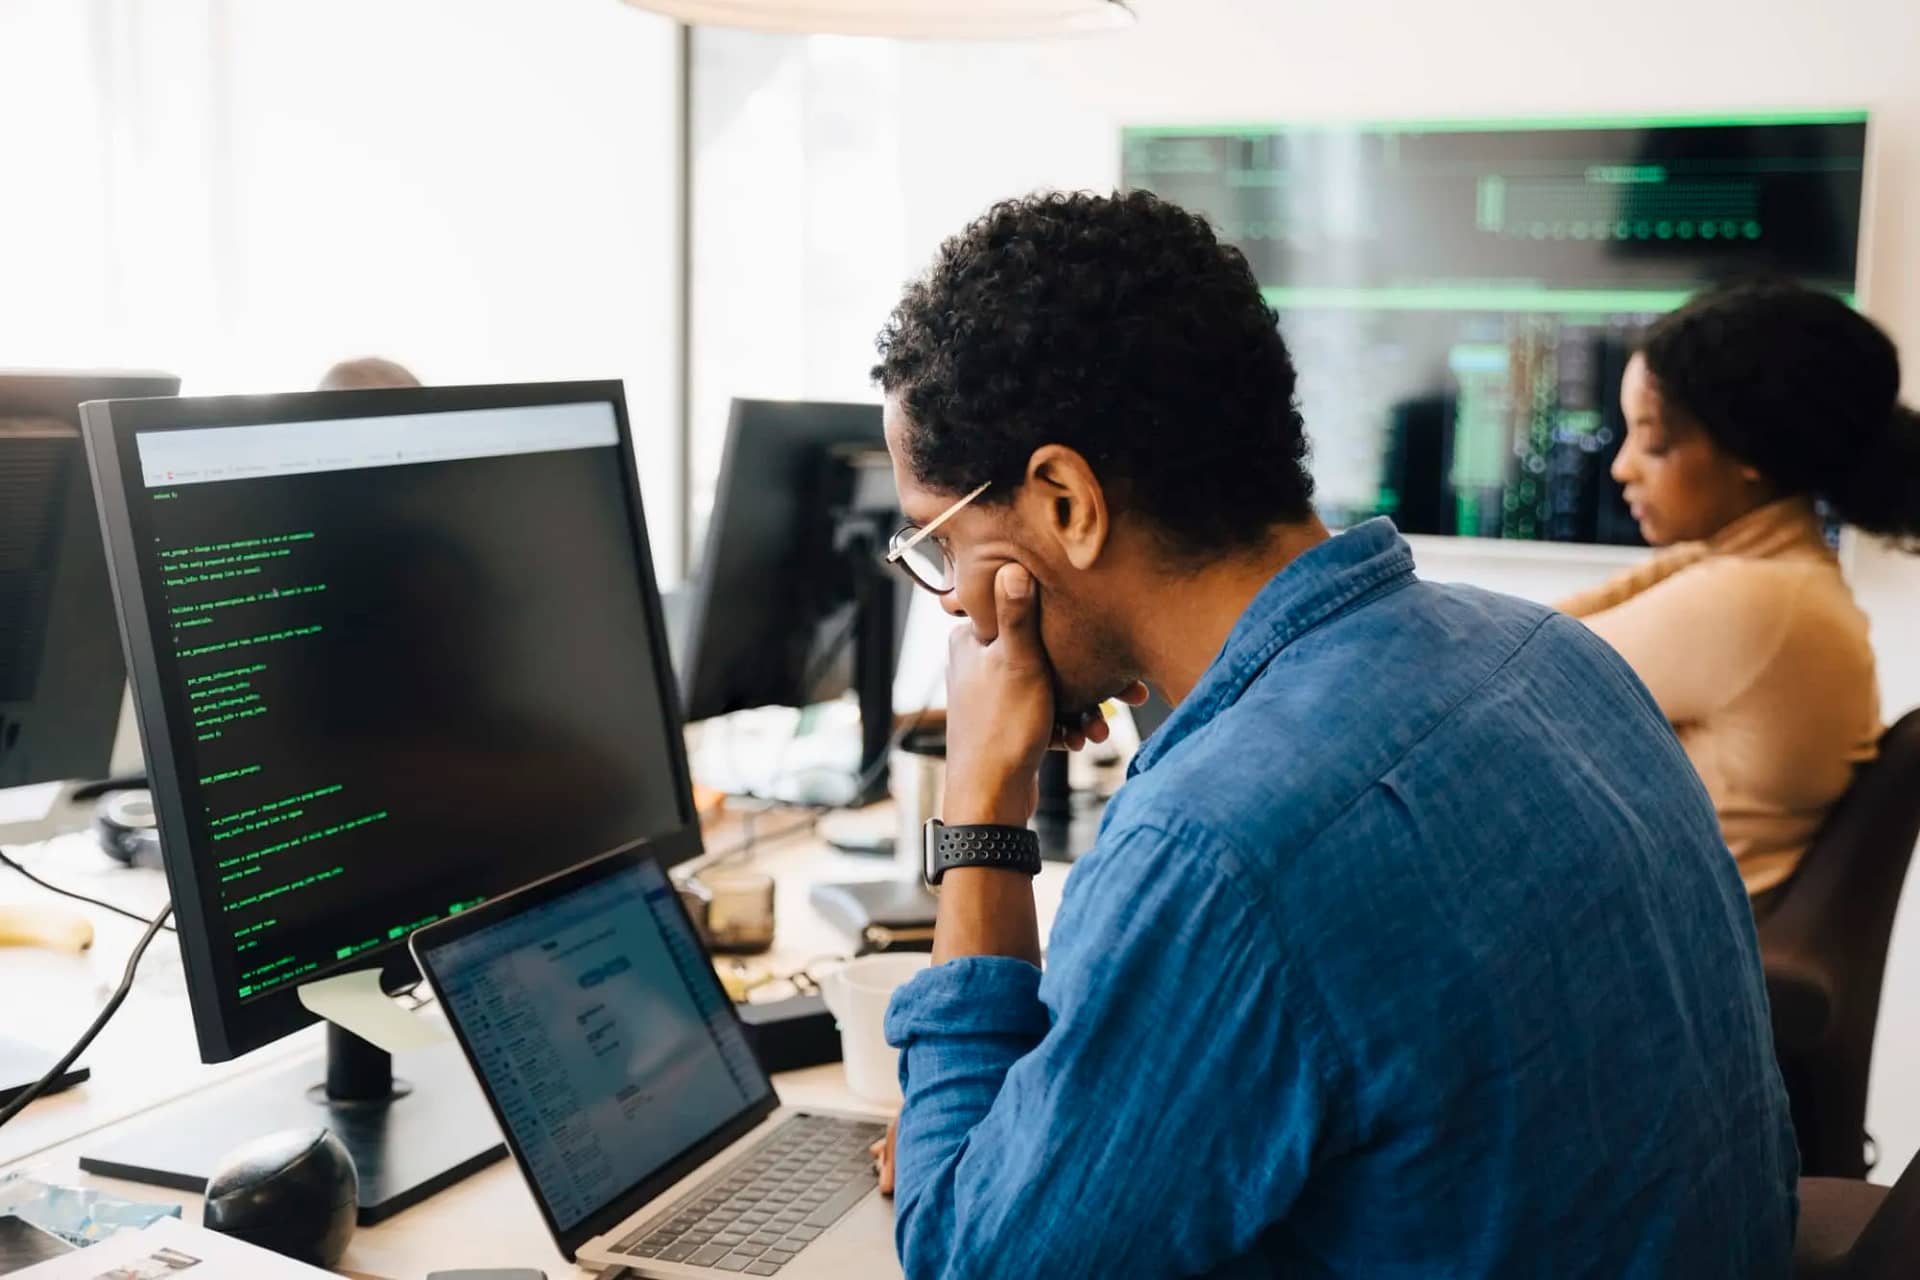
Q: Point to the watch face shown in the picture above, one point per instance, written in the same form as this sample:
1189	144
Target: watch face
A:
929	842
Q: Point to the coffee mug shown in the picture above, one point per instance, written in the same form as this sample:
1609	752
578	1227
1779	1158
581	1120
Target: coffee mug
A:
857	994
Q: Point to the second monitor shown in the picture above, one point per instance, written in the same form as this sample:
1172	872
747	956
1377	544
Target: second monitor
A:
61	674
792	604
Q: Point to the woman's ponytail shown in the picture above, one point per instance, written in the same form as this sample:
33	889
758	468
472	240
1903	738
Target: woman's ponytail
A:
1881	491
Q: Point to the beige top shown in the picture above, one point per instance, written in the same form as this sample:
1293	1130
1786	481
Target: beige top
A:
1752	645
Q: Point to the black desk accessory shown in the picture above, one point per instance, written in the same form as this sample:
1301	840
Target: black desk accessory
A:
792	1033
22	1064
879	915
294	1192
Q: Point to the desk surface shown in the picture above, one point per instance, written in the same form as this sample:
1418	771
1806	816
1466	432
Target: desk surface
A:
146	1058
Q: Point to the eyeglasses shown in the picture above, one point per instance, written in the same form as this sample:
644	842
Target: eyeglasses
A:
922	557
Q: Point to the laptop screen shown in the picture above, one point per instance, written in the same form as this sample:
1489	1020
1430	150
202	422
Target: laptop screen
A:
598	1027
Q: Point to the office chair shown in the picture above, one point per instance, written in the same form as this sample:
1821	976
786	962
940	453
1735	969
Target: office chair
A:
1823	939
1852	1230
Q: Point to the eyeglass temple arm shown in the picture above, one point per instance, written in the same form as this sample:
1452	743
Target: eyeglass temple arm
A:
926	530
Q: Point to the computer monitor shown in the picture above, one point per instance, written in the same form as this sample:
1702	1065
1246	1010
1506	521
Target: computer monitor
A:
1461	297
792	603
61	674
393	653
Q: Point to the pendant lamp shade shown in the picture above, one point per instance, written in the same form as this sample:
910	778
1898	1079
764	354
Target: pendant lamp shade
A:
906	19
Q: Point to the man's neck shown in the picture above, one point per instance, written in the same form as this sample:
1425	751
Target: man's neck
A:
1194	612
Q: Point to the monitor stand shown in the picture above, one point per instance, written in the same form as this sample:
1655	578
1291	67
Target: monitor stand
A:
875	655
410	1136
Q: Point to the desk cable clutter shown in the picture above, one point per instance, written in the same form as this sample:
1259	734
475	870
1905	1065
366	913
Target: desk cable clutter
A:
26	1096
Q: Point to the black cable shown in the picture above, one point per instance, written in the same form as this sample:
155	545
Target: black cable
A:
871	774
118	782
860	782
750	842
134	916
40	1086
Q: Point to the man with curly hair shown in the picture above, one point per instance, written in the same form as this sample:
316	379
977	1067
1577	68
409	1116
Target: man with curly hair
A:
1410	947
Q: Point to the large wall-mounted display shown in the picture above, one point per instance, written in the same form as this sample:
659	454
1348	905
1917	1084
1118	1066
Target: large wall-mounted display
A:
1462	296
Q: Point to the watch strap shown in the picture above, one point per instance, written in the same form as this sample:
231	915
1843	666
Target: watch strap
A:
984	845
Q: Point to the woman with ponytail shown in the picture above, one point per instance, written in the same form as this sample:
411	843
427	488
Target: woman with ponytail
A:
1749	410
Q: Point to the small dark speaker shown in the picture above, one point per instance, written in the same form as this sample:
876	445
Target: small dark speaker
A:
296	1193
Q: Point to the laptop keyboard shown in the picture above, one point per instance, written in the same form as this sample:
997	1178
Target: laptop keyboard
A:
770	1203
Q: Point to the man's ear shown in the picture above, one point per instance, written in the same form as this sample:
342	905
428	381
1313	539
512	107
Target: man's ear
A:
1069	503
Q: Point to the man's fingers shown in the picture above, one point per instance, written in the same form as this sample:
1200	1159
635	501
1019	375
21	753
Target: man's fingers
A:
882	1152
1134	694
1074	733
1015	614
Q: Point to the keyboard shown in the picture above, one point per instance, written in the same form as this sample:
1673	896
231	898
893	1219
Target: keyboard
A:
767	1206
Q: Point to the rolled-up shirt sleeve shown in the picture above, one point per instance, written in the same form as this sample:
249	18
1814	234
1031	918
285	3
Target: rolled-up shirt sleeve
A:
1147	1107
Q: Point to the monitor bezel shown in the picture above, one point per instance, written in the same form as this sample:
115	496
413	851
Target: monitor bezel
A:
704	690
422	942
226	1026
72	714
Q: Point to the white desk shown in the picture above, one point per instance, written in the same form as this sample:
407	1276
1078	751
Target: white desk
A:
147	1055
146	1058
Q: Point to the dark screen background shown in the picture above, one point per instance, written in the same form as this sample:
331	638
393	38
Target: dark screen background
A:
1461	301
438	686
1378	207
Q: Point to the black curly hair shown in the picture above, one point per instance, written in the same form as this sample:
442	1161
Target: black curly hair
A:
1120	327
1801	387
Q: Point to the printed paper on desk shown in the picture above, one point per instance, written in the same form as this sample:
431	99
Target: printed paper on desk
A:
171	1250
28	804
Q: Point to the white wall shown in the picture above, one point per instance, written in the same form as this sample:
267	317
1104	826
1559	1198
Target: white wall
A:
952	127
245	193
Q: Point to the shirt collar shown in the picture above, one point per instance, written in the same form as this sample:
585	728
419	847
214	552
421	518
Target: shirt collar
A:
1312	589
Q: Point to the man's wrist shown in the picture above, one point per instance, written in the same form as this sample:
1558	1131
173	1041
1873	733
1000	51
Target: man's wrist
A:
986	911
984	807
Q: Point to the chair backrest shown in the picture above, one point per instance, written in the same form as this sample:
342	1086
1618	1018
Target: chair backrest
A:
1889	1246
1834	919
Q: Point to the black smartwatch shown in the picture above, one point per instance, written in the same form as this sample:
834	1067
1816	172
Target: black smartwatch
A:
1009	848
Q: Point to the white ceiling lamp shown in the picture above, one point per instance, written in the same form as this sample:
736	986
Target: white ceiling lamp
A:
906	19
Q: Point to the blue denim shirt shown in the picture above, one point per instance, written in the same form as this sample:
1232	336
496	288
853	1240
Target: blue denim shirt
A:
1411	948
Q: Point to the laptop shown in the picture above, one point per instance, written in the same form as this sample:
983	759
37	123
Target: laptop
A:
629	1096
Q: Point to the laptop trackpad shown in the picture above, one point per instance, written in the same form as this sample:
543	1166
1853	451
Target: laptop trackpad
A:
860	1244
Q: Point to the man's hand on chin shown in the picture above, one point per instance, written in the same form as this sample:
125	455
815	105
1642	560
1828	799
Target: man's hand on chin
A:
1001	713
999	723
999	709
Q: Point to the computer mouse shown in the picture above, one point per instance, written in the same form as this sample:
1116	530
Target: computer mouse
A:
295	1192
